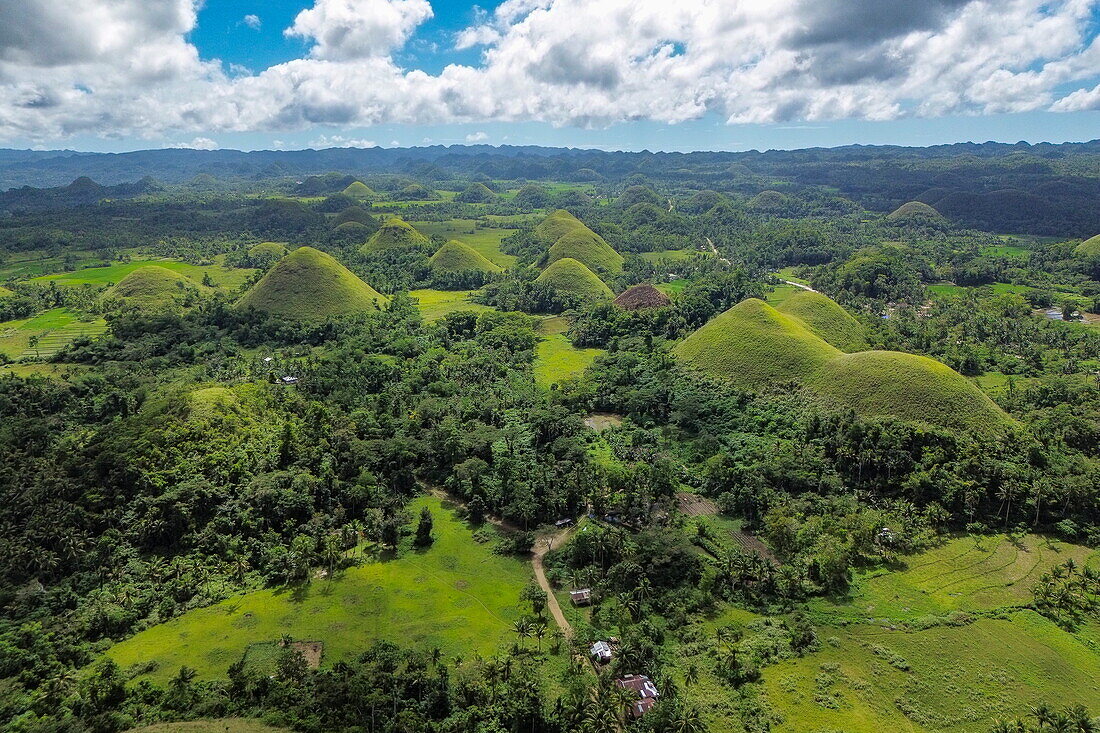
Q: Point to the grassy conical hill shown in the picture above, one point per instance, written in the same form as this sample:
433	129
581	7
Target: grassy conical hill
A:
584	245
308	284
570	277
642	295
359	190
394	233
532	196
152	287
913	210
356	214
5	293
907	386
476	193
753	345
455	256
277	249
557	224
826	318
1088	248
768	200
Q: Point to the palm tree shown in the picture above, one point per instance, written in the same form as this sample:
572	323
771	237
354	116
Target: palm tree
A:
688	721
522	627
540	633
692	674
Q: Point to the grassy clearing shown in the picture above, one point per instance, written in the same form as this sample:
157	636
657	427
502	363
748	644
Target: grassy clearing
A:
556	358
434	304
907	386
673	288
222	725
485	242
224	278
456	595
670	255
972	573
55	329
1012	251
787	273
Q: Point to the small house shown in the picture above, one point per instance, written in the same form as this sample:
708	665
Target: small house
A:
601	652
564	522
581	596
289	380
646	690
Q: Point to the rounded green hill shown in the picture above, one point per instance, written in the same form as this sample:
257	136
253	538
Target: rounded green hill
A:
557	224
1088	248
476	193
913	210
907	386
754	345
5	293
456	257
356	214
309	284
532	196
393	234
570	277
584	245
152	287
640	296
416	192
277	249
826	318
769	200
359	190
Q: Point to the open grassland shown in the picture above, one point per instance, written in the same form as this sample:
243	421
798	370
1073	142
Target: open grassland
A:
222	725
974	573
225	278
556	358
310	284
669	255
33	263
946	678
485	241
55	329
780	294
826	318
674	287
434	304
456	595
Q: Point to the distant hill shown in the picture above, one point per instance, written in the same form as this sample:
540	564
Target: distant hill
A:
394	233
476	193
907	386
309	284
642	295
532	196
570	277
584	245
769	200
753	345
459	257
913	210
152	287
359	190
557	223
356	214
277	249
826	318
1089	248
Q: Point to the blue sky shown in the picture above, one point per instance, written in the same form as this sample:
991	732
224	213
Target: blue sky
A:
615	74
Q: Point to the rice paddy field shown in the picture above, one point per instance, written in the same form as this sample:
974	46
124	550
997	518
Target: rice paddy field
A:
556	358
670	255
435	304
457	595
55	329
225	278
485	241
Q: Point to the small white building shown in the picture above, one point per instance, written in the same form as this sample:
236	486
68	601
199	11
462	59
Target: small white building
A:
601	652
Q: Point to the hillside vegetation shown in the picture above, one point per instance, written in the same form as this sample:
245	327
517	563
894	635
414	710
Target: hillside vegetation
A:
913	210
359	190
584	245
642	295
556	224
458	257
309	284
395	233
753	345
911	387
570	277
826	318
1089	248
152	287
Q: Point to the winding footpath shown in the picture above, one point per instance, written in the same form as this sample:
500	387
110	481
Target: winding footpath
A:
542	546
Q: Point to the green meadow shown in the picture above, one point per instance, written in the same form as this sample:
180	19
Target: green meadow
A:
669	255
485	241
556	358
221	725
457	595
55	329
226	278
435	304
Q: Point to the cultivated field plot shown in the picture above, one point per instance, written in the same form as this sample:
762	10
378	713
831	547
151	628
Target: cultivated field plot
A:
556	358
964	574
225	278
221	725
54	330
456	595
485	241
435	304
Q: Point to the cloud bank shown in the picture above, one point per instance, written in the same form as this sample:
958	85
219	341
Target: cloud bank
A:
125	67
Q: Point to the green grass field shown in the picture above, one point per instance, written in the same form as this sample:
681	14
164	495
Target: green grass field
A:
225	278
434	304
1013	251
673	288
222	725
670	255
457	595
484	241
556	358
55	329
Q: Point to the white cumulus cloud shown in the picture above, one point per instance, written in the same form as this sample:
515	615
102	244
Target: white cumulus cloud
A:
252	21
350	29
339	141
199	143
476	137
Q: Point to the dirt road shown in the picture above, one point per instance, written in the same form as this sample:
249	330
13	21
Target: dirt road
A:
542	546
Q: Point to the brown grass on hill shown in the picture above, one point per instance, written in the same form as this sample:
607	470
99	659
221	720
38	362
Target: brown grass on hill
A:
642	295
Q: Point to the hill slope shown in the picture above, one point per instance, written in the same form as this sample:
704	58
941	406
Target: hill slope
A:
1088	248
584	245
570	277
826	318
359	190
914	210
556	224
753	345
151	287
476	193
911	387
394	233
308	284
642	295
455	256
